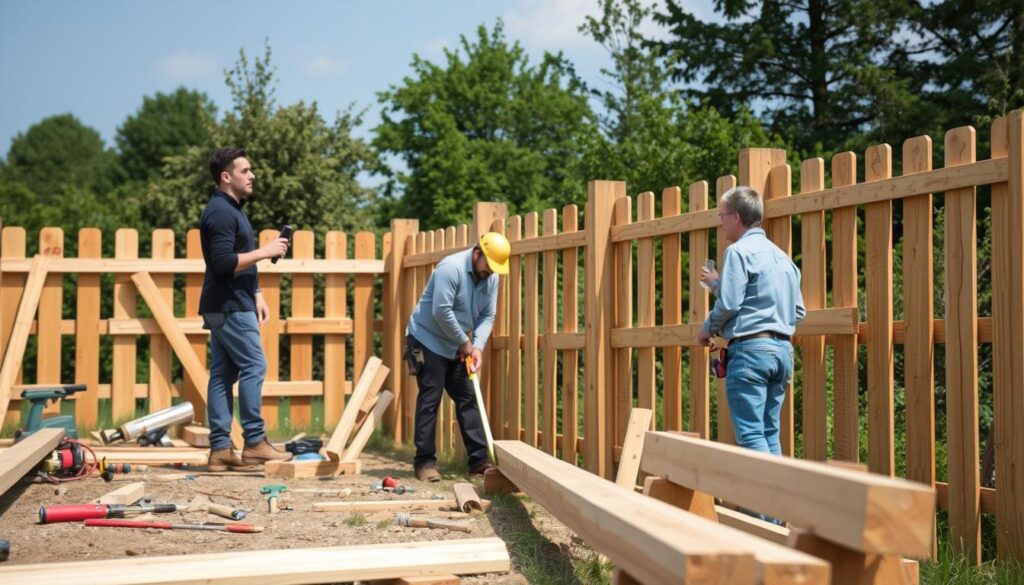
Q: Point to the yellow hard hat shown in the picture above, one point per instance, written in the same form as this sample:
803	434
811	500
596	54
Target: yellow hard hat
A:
497	250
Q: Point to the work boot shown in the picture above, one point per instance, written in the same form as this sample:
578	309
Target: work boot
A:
260	453
428	472
225	459
480	468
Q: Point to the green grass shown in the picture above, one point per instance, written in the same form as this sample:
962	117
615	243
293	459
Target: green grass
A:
356	519
953	569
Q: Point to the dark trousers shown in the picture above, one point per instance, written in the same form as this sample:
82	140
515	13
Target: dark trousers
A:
437	374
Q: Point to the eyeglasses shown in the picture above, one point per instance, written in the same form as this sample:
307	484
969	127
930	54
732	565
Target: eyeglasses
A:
726	213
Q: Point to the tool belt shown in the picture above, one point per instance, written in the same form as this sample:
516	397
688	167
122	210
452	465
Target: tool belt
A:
761	335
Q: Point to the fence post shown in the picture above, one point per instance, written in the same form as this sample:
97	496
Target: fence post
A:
599	292
393	334
485	214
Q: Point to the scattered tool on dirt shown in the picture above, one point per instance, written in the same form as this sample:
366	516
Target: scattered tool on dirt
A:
304	445
391	485
70	461
480	406
226	511
76	512
273	492
152	428
39	397
5	550
108	470
403	519
238	528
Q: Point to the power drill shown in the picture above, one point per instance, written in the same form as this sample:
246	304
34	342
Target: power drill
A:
39	397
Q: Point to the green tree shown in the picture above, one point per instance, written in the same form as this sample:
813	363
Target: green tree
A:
822	71
487	125
165	125
306	169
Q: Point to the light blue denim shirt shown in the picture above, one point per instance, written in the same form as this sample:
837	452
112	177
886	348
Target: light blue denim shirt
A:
453	304
758	290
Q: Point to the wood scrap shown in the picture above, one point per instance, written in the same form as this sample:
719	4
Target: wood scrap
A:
373	376
196	436
300	469
355	449
391	505
466	498
124	495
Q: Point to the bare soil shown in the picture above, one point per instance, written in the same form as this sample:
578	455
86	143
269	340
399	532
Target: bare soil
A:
524	526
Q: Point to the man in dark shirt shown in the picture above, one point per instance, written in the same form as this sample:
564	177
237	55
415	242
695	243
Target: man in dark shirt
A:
233	308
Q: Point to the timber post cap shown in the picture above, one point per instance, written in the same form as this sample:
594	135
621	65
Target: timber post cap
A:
497	250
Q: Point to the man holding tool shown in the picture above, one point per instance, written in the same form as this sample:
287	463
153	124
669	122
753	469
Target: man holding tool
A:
233	308
447	333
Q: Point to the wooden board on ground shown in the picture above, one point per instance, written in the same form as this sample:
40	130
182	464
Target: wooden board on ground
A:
281	567
392	506
124	495
370	382
20	459
466	498
300	469
196	436
153	455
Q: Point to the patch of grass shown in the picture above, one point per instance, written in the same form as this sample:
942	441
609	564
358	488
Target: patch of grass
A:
953	569
356	519
382	524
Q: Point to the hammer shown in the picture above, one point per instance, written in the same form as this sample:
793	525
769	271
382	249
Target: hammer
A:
272	492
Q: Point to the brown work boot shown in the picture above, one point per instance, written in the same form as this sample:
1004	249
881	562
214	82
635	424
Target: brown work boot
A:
225	459
260	453
428	472
481	468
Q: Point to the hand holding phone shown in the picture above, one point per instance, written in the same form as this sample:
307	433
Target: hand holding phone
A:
286	233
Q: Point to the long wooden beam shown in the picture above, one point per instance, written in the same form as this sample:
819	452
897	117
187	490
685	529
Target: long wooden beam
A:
19	335
194	369
652	541
280	567
193	266
23	456
862	511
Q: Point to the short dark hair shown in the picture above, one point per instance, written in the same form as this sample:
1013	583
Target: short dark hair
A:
222	160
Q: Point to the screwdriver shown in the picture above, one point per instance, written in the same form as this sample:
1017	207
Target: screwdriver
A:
76	512
239	528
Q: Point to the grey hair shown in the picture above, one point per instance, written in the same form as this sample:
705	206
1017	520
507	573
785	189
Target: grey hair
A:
745	202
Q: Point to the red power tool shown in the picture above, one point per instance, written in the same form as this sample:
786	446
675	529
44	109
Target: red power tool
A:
76	512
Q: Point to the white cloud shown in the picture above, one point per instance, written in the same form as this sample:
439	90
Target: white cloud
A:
434	49
325	66
554	24
187	67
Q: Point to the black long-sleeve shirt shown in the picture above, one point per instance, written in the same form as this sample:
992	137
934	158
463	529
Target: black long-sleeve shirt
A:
224	233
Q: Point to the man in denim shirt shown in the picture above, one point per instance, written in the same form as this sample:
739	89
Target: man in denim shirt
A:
759	304
450	325
233	308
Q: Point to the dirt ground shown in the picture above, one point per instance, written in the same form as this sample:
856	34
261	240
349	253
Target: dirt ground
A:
524	526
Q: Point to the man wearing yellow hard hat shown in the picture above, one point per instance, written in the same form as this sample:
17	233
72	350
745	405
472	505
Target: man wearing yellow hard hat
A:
451	323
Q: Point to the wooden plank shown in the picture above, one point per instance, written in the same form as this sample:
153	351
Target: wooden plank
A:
307	469
87	335
22	458
751	525
960	284
197	266
51	302
280	567
700	373
189	362
570	324
374	374
541	244
780	231
814	290
12	245
629	465
335	307
393	339
1008	335
530	335
621	390
645	308
878	228
514	396
270	334
193	291
389	505
918	311
362	309
159	349
652	541
125	495
196	435
152	456
845	384
726	434
19	334
122	401
549	367
694	502
984	172
865	512
432	580
301	350
672	313
355	449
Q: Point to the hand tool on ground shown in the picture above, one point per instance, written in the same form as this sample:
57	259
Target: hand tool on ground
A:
39	397
76	512
390	485
406	520
108	470
134	429
70	461
5	550
272	492
304	445
239	528
226	511
480	406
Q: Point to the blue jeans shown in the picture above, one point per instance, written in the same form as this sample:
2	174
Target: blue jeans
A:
759	371
235	356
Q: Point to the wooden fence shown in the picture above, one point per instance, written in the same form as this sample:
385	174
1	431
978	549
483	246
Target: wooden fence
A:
540	350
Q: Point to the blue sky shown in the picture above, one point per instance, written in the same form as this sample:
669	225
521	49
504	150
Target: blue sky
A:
97	58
